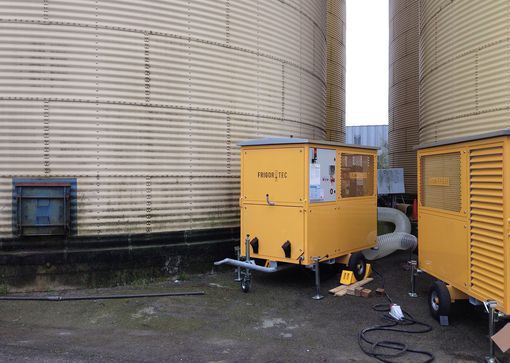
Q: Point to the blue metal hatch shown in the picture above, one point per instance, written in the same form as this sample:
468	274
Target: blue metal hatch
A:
42	208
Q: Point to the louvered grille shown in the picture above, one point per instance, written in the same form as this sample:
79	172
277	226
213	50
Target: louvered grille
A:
487	222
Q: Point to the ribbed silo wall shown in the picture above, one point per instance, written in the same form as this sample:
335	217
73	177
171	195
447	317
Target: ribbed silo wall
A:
143	102
464	68
335	103
404	89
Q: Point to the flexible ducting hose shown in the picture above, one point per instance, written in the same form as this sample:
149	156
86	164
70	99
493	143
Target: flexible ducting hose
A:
399	219
388	243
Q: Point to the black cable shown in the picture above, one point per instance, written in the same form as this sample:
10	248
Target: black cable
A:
383	284
385	350
98	297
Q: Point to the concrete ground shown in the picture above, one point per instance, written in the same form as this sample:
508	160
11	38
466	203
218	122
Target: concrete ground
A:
276	322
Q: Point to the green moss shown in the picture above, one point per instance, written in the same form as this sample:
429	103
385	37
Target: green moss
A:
4	288
182	276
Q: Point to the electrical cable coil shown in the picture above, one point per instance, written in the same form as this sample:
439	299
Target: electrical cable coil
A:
385	350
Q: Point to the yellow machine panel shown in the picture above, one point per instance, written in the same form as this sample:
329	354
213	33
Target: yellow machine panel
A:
464	216
277	176
318	198
273	227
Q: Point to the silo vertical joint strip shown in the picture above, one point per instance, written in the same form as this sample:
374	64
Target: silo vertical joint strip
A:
227	22
147	67
46	138
283	91
229	145
45	11
190	120
148	210
98	139
477	80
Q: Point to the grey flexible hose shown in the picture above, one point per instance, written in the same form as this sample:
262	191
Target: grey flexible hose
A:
388	243
399	219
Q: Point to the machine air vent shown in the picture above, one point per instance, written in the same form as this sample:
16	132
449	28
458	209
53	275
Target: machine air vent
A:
441	182
487	222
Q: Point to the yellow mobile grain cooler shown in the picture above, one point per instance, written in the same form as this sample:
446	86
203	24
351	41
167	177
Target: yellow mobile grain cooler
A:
464	187
304	202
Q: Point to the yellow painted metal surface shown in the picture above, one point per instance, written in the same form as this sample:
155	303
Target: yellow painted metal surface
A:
329	228
456	294
444	253
487	235
279	175
467	246
273	227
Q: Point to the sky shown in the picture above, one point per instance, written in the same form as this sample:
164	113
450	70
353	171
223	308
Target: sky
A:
367	62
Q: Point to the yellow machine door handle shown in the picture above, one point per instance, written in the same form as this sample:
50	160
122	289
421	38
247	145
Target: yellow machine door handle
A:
268	201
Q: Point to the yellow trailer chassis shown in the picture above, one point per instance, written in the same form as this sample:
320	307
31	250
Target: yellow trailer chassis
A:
304	202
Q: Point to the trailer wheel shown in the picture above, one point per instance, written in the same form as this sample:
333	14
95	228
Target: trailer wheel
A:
439	299
245	284
358	265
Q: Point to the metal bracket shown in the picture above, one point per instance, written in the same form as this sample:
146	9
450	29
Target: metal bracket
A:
413	265
317	295
490	306
443	320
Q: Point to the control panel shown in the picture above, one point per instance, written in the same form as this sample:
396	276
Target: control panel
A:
322	176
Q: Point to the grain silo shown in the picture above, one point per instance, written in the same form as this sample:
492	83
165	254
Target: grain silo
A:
403	93
121	119
464	64
335	102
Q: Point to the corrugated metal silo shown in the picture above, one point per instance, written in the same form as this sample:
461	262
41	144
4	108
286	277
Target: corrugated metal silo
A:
143	102
464	67
404	89
335	102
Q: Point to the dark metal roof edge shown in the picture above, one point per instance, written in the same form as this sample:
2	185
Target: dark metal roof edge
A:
459	140
293	140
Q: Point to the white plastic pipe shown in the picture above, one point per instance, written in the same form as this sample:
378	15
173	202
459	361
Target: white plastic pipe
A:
388	243
248	265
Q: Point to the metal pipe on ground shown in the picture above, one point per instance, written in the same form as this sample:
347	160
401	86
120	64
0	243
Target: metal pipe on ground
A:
98	297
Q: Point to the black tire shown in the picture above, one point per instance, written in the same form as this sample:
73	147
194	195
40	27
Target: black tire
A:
245	285
358	265
439	299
